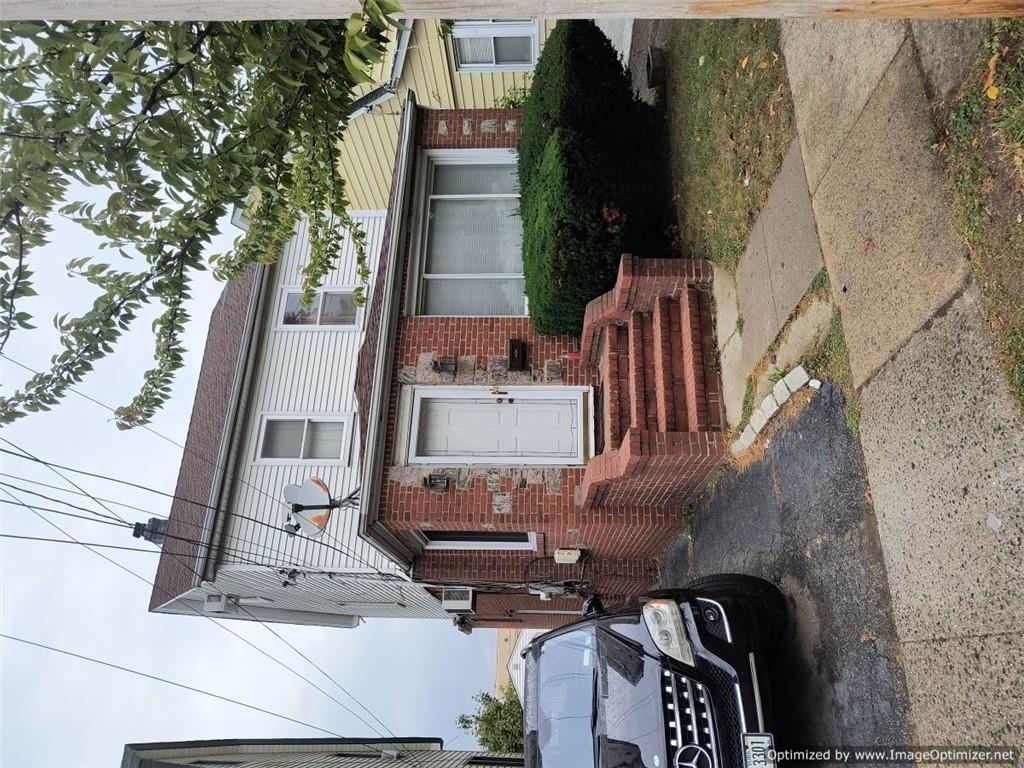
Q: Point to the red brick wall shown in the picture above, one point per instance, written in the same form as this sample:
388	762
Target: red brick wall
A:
469	128
623	540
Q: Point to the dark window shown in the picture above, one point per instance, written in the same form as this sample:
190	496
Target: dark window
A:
513	537
495	762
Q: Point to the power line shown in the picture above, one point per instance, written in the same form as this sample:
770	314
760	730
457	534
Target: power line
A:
169	682
40	483
206	459
210	618
82	543
26	455
54	466
254	520
92	519
240	555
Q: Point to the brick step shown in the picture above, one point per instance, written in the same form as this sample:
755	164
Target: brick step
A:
669	375
614	372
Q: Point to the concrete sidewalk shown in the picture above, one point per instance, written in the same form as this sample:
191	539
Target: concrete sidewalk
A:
943	441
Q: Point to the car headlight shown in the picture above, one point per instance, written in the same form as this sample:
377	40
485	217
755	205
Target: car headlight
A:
665	624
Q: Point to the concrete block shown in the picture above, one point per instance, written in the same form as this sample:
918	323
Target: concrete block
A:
727	310
768	407
790	235
757	420
944	449
885	220
781	392
796	378
833	67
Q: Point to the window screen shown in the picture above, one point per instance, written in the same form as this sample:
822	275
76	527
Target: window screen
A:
473	264
306	439
329	308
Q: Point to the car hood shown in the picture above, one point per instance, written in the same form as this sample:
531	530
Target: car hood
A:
630	725
630	722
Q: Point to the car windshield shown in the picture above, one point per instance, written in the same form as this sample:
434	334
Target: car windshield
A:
561	713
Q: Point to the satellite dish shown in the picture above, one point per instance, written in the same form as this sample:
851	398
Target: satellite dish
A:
311	506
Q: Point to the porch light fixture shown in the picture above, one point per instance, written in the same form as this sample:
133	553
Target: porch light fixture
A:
446	364
436	482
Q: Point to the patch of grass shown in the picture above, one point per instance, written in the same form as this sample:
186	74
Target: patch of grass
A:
748	405
730	123
820	285
739	325
982	142
830	359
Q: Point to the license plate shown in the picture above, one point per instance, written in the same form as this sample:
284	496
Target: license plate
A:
758	750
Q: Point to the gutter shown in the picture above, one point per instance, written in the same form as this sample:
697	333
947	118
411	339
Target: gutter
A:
227	455
375	420
401	50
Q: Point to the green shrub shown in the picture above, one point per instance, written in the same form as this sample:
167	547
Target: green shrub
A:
578	84
584	161
574	231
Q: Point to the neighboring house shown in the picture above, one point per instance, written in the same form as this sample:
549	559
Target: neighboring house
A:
472	65
274	406
511	666
310	753
487	448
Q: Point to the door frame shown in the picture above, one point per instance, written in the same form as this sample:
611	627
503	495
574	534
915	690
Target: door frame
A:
584	433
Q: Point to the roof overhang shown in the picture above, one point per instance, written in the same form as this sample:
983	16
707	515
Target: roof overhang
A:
374	421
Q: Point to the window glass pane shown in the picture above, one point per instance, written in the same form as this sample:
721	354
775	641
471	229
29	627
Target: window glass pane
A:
475	180
474	236
483	297
295	314
282	439
474	50
513	50
486	536
339	309
323	440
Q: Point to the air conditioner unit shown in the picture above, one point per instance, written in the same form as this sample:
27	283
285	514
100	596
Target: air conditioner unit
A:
220	604
457	599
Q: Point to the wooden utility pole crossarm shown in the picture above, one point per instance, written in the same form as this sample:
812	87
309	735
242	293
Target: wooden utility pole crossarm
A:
323	9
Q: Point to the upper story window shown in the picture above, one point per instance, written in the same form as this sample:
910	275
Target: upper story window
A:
469	244
489	45
291	438
333	308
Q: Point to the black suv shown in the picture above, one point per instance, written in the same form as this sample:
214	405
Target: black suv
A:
678	684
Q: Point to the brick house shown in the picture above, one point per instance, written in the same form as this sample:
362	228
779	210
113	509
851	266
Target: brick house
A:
487	447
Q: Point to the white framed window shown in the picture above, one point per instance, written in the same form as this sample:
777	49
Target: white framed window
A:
486	540
287	438
332	309
493	45
468	237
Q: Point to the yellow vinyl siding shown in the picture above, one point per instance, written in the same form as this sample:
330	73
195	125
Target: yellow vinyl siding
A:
368	149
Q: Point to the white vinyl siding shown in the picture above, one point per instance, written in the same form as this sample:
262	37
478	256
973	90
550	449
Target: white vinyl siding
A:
470	244
303	376
495	46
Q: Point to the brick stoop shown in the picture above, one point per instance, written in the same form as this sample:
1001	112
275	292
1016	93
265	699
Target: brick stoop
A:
651	342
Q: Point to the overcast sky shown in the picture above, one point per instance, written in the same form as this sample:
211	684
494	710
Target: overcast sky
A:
58	712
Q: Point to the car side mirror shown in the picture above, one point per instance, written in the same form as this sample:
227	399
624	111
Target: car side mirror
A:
592	605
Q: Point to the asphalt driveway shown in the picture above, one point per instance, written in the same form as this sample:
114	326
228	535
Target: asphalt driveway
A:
802	518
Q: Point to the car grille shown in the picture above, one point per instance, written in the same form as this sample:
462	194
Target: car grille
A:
689	715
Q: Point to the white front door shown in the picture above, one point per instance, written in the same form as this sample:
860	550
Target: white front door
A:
469	425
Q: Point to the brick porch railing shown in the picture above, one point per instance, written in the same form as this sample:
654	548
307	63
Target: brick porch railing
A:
650	342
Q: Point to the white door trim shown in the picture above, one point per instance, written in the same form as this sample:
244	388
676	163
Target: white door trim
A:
579	394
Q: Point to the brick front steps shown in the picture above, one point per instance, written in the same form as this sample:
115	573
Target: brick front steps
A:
650	342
